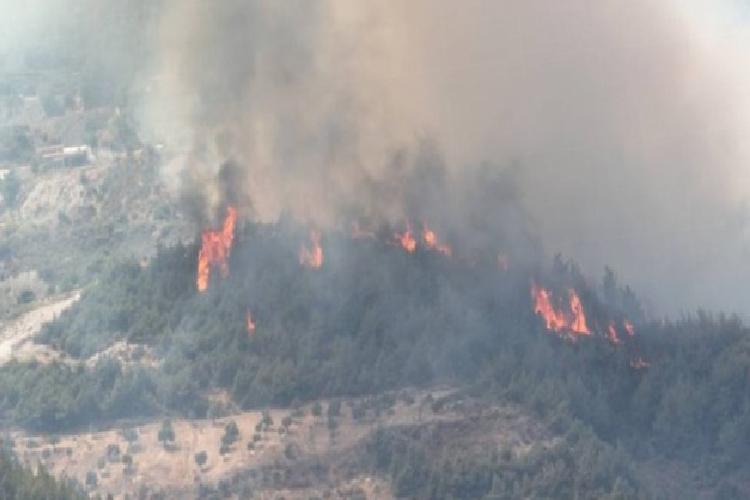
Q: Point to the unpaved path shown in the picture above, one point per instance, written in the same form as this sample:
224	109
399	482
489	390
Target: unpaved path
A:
17	338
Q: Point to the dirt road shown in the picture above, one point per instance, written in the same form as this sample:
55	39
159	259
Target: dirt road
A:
17	338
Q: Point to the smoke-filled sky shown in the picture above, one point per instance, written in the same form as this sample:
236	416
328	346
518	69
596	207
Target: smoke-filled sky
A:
627	123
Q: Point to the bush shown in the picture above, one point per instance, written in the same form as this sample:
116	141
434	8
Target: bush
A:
200	458
166	433
26	297
129	434
286	421
113	452
317	409
231	434
91	479
334	408
267	419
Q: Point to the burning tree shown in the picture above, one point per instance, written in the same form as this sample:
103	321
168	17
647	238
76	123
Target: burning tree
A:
215	248
312	256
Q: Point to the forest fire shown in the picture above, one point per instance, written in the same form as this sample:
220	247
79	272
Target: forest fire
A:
312	256
554	319
215	248
431	241
557	319
406	240
578	324
612	333
629	327
249	323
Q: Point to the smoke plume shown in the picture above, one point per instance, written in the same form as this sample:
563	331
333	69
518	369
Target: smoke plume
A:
620	126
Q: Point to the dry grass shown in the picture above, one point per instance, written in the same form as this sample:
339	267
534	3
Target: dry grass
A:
173	469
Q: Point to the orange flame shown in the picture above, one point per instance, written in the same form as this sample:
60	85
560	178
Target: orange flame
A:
250	324
543	305
406	240
629	327
431	241
578	324
556	319
612	334
312	257
215	248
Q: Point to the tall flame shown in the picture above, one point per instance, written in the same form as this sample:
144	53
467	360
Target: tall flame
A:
406	240
215	248
578	324
629	327
612	333
557	319
312	257
431	241
554	319
250	324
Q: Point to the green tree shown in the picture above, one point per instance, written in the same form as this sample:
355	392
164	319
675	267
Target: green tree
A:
231	434
166	433
10	187
200	458
317	409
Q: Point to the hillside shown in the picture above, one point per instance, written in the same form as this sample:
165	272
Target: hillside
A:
423	319
336	250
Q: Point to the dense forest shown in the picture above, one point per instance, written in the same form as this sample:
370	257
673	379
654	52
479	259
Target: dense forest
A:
21	483
636	404
376	318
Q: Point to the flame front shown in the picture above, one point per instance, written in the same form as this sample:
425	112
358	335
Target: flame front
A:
406	240
431	241
503	261
557	319
215	248
554	319
312	257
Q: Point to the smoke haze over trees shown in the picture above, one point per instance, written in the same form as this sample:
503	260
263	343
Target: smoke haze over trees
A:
599	105
340	203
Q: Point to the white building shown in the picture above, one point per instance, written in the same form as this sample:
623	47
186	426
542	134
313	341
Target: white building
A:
66	156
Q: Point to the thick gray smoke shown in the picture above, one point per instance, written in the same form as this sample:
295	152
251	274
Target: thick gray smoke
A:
627	122
293	93
631	123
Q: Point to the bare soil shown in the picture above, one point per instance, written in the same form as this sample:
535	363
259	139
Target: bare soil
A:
172	469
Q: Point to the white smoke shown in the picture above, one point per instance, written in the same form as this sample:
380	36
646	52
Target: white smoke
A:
629	120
